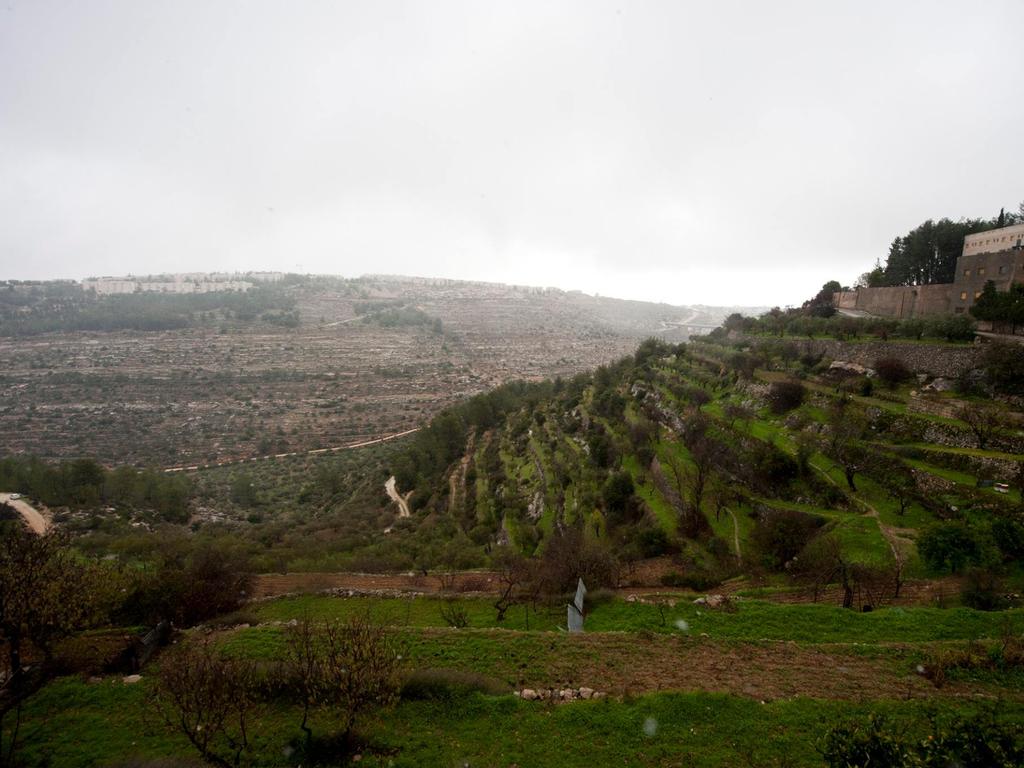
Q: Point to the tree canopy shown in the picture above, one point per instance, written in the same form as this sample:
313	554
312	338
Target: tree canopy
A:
928	253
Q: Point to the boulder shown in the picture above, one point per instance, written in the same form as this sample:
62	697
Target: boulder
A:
586	693
528	694
131	679
846	367
940	385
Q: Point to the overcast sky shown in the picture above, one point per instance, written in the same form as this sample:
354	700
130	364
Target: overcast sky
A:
713	152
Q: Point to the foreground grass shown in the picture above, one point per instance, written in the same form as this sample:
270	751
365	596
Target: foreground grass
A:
72	723
752	620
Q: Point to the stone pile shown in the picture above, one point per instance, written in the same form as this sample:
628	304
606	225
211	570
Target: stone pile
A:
559	694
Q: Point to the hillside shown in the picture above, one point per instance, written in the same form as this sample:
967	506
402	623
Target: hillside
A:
746	456
737	496
294	365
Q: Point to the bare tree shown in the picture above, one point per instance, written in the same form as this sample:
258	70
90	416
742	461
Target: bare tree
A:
514	572
691	478
898	479
734	412
847	426
823	562
347	666
360	668
984	421
208	699
302	661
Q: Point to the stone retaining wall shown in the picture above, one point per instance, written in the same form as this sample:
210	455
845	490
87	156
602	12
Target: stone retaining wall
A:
934	359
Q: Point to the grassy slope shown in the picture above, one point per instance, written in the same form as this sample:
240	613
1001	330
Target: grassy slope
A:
91	725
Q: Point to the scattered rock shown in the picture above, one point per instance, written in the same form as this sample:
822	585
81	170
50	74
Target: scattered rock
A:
940	385
558	694
131	679
843	366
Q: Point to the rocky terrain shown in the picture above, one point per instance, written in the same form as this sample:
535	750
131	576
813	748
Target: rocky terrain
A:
230	386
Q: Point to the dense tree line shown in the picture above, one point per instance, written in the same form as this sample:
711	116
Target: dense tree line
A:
84	482
928	253
795	323
402	317
54	307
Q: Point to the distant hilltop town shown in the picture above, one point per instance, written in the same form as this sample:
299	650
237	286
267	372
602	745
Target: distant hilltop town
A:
187	282
996	255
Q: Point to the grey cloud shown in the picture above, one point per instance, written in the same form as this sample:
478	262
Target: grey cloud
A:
688	152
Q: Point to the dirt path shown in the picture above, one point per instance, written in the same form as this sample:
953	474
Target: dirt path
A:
314	452
392	489
33	518
736	535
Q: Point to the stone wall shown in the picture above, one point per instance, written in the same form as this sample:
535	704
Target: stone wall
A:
934	359
899	301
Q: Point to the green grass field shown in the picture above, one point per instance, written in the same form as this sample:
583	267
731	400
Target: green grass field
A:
75	724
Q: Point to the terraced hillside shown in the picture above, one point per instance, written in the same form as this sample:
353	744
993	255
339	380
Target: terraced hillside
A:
297	365
790	563
743	457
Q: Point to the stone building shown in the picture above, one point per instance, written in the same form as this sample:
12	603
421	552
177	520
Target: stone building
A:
996	255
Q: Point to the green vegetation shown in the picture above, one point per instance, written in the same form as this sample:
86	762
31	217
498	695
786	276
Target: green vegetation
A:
84	483
28	309
716	465
94	724
751	619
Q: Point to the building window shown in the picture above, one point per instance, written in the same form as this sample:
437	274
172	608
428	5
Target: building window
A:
967	273
977	294
963	295
1002	269
981	271
959	310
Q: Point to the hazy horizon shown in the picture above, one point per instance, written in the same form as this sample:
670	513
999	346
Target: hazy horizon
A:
734	155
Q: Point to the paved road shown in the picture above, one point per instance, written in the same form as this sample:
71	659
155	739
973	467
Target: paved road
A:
33	518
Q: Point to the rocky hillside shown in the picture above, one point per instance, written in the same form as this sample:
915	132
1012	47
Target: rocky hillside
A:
731	456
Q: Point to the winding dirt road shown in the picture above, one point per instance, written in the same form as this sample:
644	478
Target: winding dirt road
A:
33	518
314	452
392	490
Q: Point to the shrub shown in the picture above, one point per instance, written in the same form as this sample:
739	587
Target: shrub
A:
892	371
781	534
1008	535
984	591
980	741
768	468
454	614
653	541
949	546
698	581
448	685
951	328
1004	367
213	581
784	396
853	745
